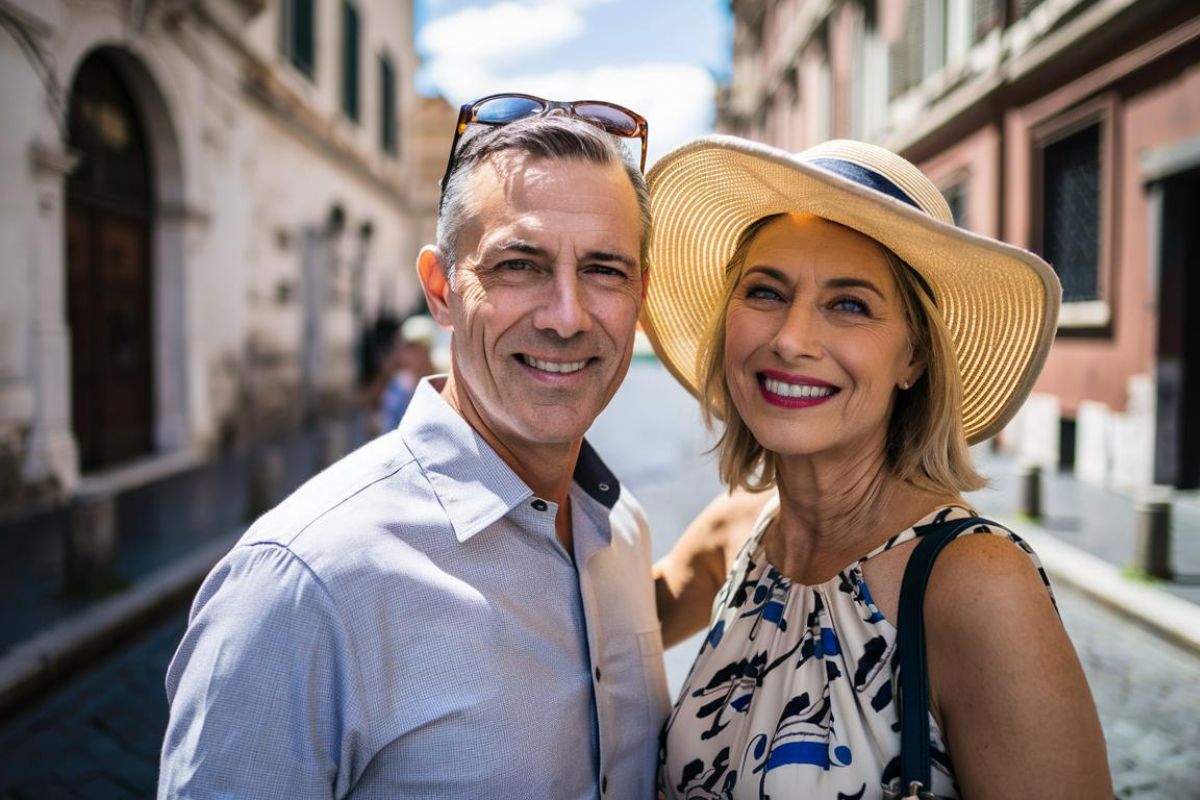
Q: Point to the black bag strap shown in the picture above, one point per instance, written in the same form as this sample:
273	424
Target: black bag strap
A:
912	691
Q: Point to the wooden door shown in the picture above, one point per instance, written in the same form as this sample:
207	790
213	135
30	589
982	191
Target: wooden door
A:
1177	371
109	288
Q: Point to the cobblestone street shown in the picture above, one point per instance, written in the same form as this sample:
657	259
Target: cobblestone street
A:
99	736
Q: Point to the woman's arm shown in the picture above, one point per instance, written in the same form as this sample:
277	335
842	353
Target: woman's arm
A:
1007	687
688	577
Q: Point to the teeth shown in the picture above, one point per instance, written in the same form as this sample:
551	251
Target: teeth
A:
554	366
795	389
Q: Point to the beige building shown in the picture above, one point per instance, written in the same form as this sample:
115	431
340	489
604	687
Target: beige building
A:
432	132
1069	127
204	202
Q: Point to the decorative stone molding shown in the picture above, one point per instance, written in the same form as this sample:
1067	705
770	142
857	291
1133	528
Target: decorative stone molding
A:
52	158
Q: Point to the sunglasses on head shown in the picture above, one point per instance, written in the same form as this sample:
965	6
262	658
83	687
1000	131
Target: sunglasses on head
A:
501	109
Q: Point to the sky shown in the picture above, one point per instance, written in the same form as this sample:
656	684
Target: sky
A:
661	58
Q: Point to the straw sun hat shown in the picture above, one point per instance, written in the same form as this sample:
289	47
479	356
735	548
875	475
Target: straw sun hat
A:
999	302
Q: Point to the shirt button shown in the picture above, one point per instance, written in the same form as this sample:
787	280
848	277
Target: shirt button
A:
604	487
597	673
539	505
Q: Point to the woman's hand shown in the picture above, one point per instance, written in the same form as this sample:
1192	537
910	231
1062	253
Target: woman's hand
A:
688	577
1006	685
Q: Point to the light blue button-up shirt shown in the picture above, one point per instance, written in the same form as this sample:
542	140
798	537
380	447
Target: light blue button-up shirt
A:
408	625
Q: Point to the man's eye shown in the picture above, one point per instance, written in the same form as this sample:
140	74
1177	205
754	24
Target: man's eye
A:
606	271
515	265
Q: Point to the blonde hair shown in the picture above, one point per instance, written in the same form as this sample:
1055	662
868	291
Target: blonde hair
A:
926	445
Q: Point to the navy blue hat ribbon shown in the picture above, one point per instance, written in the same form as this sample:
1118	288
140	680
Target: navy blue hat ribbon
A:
864	176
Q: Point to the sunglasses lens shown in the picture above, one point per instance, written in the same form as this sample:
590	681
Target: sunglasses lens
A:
613	120
500	110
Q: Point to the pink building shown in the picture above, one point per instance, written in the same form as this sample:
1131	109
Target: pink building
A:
1069	127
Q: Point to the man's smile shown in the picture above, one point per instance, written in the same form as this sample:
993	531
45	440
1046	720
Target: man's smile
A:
553	367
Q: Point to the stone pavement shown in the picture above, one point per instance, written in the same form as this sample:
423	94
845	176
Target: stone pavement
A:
99	736
1096	520
1148	694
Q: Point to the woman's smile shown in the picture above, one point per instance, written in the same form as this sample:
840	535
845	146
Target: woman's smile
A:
794	391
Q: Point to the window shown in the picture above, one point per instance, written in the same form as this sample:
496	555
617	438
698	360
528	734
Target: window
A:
297	34
921	50
1071	212
933	38
956	198
1073	157
986	16
1023	7
387	105
350	39
821	119
866	108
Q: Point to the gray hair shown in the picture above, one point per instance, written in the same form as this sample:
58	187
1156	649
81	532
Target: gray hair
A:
550	137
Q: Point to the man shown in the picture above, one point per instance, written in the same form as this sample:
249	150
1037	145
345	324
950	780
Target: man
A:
463	607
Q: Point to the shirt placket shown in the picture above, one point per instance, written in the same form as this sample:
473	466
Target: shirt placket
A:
586	546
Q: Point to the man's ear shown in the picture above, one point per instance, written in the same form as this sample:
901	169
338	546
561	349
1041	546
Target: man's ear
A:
431	268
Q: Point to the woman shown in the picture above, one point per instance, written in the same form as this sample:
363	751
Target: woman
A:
854	342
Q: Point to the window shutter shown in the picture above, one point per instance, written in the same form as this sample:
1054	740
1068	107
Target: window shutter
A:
350	60
304	48
387	105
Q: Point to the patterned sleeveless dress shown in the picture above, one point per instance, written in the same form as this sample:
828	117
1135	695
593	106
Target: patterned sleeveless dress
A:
791	693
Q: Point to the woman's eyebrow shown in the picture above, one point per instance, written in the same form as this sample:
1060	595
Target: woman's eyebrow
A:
855	283
770	272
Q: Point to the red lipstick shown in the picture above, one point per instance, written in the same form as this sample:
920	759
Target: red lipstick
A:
785	401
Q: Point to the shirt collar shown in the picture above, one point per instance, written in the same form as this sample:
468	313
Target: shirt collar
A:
474	485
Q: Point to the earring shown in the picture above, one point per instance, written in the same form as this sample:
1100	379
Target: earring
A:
904	386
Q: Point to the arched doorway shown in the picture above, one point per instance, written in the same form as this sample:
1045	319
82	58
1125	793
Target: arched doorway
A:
109	269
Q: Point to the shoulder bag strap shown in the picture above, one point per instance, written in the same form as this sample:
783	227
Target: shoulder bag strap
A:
913	690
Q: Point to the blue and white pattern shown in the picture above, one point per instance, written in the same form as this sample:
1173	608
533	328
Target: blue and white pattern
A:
791	693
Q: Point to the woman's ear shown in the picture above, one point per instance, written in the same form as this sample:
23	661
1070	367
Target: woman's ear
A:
914	370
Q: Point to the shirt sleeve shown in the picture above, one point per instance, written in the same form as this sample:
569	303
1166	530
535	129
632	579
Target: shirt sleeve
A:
258	688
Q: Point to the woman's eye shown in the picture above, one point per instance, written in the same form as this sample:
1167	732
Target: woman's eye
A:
762	293
851	304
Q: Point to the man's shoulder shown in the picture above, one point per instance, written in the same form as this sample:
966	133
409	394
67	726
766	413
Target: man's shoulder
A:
347	494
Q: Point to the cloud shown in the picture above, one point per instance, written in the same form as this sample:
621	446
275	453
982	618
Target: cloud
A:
503	33
496	48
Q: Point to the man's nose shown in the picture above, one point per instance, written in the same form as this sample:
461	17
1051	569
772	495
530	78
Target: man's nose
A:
565	311
799	335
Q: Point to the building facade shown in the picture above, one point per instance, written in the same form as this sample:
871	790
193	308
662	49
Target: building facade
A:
1069	127
204	204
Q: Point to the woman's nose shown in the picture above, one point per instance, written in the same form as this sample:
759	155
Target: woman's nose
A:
799	334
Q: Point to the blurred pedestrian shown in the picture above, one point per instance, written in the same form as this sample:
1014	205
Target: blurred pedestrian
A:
409	361
853	341
463	607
